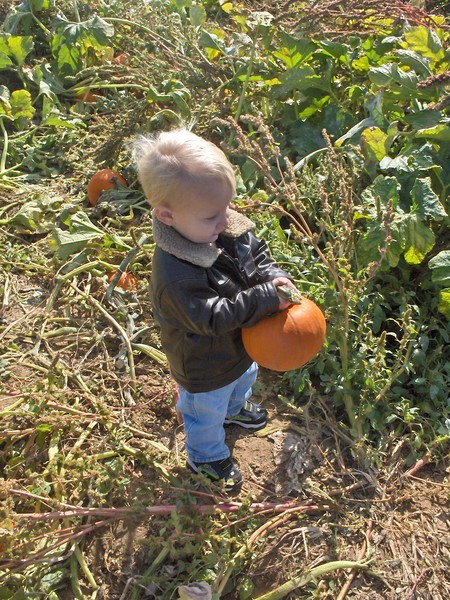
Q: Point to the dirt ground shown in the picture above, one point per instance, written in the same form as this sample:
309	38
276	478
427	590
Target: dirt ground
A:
401	523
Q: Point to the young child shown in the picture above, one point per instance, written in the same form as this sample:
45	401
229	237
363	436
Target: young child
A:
210	277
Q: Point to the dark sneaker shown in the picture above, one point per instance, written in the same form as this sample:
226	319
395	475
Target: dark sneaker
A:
219	471
251	416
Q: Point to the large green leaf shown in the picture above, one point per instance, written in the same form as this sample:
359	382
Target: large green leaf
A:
197	15
37	215
302	79
440	268
425	202
213	42
440	133
81	231
15	47
355	131
48	82
21	104
416	61
72	41
425	42
390	75
17	106
423	119
5	60
292	51
444	302
374	143
423	158
419	239
384	189
23	15
336	50
371	243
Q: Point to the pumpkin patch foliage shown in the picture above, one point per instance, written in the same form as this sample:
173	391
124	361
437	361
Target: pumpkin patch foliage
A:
336	120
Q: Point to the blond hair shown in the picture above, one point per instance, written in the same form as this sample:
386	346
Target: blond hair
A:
177	161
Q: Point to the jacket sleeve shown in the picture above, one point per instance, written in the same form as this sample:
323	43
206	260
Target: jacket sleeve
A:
191	305
266	267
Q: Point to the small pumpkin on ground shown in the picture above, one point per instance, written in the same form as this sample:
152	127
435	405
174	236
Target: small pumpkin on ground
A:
102	180
126	281
123	58
288	339
87	97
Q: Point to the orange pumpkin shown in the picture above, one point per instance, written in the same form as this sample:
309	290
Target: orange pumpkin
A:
122	59
105	179
126	280
88	97
288	339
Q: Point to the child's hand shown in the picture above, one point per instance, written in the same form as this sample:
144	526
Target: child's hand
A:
285	282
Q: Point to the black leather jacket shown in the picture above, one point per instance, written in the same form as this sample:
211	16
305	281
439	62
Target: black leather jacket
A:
203	294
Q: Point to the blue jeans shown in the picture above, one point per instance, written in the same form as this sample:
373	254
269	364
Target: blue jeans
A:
204	414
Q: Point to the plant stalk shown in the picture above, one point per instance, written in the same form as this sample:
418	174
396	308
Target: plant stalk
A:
305	578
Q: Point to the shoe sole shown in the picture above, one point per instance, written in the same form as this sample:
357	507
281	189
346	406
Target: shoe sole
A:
252	426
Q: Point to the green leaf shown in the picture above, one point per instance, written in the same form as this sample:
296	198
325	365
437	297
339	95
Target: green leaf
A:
361	64
56	119
391	76
423	158
419	239
374	239
39	5
21	104
440	268
425	42
197	15
5	61
48	83
335	50
444	302
369	244
96	29
44	427
36	215
374	143
17	47
81	232
5	106
384	189
355	131
425	202
315	105
303	79
212	41
416	61
294	51
68	56
23	15
424	119
440	133
72	41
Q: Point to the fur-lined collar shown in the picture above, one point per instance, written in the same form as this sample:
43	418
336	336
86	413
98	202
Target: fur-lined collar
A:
202	255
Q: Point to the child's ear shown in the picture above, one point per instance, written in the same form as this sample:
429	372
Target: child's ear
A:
164	214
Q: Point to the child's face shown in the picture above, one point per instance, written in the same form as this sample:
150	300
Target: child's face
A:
201	215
